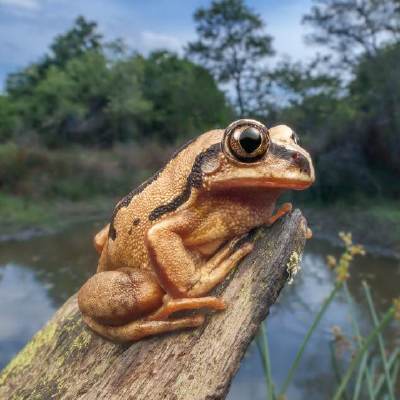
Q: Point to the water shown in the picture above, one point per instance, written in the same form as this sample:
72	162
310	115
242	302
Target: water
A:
38	274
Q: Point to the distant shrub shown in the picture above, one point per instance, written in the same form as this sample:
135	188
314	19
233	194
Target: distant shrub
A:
17	164
77	173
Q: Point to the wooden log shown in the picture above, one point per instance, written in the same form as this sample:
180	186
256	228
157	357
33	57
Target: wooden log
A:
66	360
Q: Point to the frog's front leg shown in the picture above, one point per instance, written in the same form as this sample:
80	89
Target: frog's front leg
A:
282	210
175	267
100	239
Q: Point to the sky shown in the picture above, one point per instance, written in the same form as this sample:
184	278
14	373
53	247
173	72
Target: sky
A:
27	27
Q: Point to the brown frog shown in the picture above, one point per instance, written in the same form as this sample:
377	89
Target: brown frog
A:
174	238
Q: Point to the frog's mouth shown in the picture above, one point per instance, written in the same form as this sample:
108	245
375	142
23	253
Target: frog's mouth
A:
268	183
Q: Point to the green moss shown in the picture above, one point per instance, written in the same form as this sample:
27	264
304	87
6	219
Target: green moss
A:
25	357
81	340
259	234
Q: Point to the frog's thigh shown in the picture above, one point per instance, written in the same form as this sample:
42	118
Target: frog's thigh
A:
117	297
174	266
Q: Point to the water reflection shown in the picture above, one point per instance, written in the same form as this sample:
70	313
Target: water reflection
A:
39	274
24	307
294	312
61	262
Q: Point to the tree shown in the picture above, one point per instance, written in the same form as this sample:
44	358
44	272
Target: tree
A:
376	92
232	44
305	97
186	100
94	100
83	37
354	27
7	118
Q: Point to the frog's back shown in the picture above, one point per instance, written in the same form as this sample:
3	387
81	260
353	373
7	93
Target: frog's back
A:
170	189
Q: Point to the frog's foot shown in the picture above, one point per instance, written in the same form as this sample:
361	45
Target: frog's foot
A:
222	254
173	305
139	329
216	269
283	209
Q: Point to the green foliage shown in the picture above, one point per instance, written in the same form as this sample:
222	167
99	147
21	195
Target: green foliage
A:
75	173
185	98
15	165
91	93
231	43
82	38
310	96
376	93
350	125
7	118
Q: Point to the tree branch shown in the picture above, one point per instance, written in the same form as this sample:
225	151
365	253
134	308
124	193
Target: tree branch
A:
67	361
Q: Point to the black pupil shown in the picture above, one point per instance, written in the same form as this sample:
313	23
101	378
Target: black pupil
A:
250	140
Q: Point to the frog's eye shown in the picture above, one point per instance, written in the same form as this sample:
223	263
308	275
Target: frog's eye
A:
296	138
246	140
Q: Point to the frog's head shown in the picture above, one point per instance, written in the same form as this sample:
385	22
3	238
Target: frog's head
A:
254	156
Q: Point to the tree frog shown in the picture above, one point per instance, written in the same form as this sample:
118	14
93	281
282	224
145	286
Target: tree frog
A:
175	237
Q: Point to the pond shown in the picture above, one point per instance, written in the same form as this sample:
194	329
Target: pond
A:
39	273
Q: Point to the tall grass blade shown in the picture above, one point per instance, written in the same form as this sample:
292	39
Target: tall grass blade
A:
392	359
371	337
357	333
373	370
395	373
363	370
380	342
307	338
335	364
262	343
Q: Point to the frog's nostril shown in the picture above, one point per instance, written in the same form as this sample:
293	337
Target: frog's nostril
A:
301	161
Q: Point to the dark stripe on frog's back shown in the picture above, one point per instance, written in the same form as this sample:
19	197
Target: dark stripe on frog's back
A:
128	198
194	180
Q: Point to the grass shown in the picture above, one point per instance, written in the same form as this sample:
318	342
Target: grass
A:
41	188
18	213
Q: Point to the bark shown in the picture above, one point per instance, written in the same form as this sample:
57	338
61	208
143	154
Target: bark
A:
66	360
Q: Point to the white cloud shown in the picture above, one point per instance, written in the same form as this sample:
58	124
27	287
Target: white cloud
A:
26	4
155	40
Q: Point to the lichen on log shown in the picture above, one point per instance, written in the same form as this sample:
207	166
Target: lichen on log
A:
66	360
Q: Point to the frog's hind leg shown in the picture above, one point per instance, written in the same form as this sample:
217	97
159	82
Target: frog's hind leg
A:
139	329
115	303
171	306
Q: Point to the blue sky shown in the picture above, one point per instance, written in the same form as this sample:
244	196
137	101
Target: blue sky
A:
27	27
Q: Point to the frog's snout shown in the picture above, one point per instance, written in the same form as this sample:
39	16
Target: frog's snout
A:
300	161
